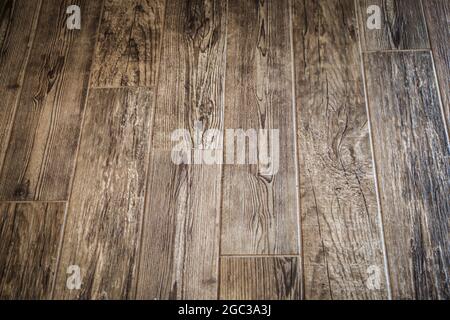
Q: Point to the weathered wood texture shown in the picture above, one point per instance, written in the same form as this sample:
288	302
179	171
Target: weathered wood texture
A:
258	278
103	226
260	202
40	153
127	53
17	26
437	13
339	218
402	25
412	154
180	248
30	234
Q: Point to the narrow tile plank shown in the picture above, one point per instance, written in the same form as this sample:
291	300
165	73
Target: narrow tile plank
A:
104	216
128	47
17	26
260	207
30	234
412	153
256	278
180	249
437	13
341	230
40	154
402	25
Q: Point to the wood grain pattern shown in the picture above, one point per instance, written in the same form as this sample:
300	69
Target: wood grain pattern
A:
412	153
104	216
180	248
17	26
129	41
402	25
29	239
257	278
437	13
260	208
339	220
40	153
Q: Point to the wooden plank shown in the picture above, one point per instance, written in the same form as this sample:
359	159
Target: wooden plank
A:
105	211
437	13
30	234
17	25
129	41
402	25
260	208
260	278
341	230
412	154
180	248
40	154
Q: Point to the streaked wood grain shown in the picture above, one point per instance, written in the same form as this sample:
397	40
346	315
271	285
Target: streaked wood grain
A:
30	235
259	211
104	216
129	41
341	230
412	154
41	150
258	278
402	25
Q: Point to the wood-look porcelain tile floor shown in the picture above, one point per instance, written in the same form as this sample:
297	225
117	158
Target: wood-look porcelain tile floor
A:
352	202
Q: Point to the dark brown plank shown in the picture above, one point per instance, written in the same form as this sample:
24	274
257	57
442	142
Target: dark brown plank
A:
340	224
129	41
105	212
17	26
30	234
258	278
259	207
412	154
40	154
437	13
180	248
402	25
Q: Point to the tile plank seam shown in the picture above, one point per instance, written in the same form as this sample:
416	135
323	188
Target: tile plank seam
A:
374	164
19	93
150	151
66	211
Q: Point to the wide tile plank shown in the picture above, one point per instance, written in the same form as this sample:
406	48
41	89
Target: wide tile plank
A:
30	234
41	150
180	248
260	200
129	41
402	25
260	278
17	26
412	154
340	224
437	13
105	211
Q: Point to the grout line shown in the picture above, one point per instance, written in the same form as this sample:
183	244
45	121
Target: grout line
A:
223	154
30	45
33	201
152	87
438	84
296	156
150	152
395	50
72	179
374	165
259	256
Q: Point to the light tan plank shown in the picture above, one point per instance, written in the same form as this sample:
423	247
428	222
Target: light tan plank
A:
41	150
253	278
128	46
30	234
260	206
412	154
105	212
